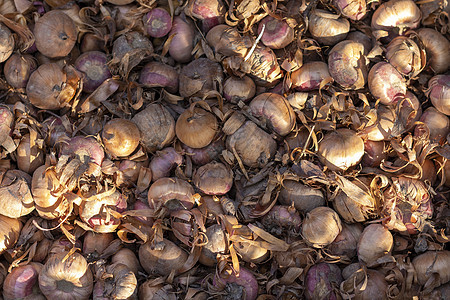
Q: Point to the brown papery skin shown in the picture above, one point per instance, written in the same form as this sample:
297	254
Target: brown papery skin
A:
352	9
128	258
374	153
156	74
10	232
401	14
237	89
29	158
96	242
18	69
227	41
214	178
196	128
162	261
433	262
274	109
341	149
55	34
210	12
165	190
6	43
304	198
437	47
404	54
347	65
386	83
321	226
439	93
157	126
382	129
310	76
163	162
217	243
277	33
436	122
346	242
120	137
326	28
374	242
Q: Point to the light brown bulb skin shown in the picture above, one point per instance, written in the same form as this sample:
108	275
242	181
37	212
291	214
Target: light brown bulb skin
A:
120	137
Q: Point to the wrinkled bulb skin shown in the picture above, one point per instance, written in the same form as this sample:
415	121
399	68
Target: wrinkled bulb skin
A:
6	43
404	54
69	279
310	76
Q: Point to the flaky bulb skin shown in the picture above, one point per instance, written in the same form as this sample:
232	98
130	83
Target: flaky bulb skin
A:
66	280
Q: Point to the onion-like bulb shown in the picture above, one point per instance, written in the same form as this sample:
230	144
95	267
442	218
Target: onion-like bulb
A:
66	279
173	193
321	226
277	33
120	137
213	179
29	157
217	244
15	190
396	16
182	43
55	34
196	127
304	198
433	263
6	43
52	87
18	69
157	74
374	242
352	9
341	149
200	77
436	46
346	242
374	153
227	41
118	282
128	258
237	89
404	54
22	283
382	128
346	64
96	242
162	259
157	126
437	124
439	93
327	28
274	109
163	162
386	83
373	287
321	280
310	76
10	232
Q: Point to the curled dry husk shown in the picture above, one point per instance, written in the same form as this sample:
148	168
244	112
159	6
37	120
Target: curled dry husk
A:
327	28
366	284
15	190
11	228
321	226
432	267
115	282
199	77
172	193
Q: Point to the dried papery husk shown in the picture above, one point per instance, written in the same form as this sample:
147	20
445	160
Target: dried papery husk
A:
353	201
346	242
22	283
396	16
157	126
15	190
157	74
96	242
85	149
263	67
47	193
360	37
172	193
97	212
62	245
432	267
196	127
155	289
53	87
56	3
436	46
11	228
282	218
116	282
217	244
327	28
6	43
127	257
321	226
304	198
311	76
120	2
68	278
228	41
321	281
200	77
249	247
374	153
30	153
129	171
213	178
341	149
18	68
277	32
365	285
407	205
274	110
162	258
347	64
55	34
404	54
237	89
439	93
437	125
253	145
210	12
120	137
386	84
352	9
375	242
382	128
408	111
